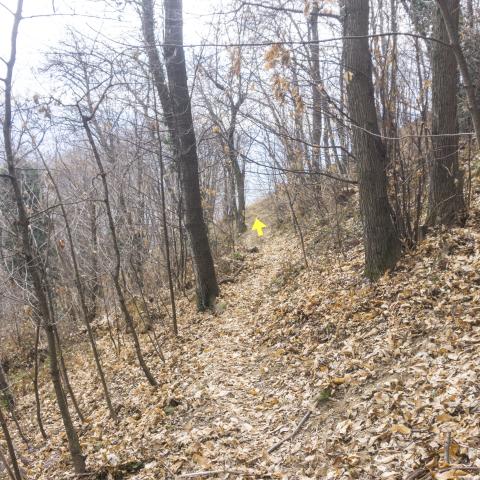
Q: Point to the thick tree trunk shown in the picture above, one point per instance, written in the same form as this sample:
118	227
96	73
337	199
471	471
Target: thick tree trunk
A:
156	66
382	244
446	203
207	287
175	101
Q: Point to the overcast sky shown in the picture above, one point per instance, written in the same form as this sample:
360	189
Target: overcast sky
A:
37	35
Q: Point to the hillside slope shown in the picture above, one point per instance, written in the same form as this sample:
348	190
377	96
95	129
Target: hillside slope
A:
389	374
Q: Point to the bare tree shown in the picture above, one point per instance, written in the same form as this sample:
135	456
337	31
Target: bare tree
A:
117	270
11	449
32	260
223	110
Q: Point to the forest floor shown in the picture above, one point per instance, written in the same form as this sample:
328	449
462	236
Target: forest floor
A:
388	371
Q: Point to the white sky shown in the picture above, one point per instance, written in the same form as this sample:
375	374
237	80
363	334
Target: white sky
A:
37	35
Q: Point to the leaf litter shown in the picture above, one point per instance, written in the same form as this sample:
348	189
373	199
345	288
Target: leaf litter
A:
386	373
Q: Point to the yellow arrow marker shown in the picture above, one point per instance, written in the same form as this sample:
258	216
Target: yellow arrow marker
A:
258	226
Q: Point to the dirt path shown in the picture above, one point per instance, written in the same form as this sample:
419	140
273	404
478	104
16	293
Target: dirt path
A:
226	395
235	383
232	389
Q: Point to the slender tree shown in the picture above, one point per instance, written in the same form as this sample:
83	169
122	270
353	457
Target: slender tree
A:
224	114
117	269
32	260
316	85
11	449
81	292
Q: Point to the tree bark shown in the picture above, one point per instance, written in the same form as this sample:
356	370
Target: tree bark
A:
381	240
207	287
446	203
175	101
156	66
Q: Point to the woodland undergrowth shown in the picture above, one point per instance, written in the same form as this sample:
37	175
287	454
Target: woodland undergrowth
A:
385	373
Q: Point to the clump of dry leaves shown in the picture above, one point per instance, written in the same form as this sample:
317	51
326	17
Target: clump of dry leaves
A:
385	374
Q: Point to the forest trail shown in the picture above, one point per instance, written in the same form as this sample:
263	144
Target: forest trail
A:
226	396
343	344
240	379
237	393
285	334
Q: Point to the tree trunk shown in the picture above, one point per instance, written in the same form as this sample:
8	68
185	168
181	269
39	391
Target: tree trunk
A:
240	182
470	15
156	67
207	287
166	239
93	288
382	244
237	175
10	447
38	406
175	101
446	203
5	392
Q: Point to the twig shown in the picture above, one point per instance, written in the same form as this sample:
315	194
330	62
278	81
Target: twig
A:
233	277
293	434
418	473
322	398
210	473
465	468
448	443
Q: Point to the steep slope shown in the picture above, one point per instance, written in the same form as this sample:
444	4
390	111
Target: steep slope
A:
387	375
